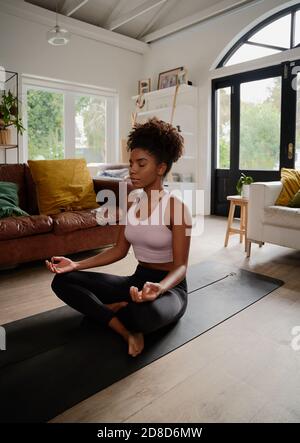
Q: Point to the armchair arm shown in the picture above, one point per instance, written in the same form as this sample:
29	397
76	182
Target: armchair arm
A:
266	192
261	194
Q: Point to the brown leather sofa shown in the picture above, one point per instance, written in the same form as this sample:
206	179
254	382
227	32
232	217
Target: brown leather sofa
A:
39	236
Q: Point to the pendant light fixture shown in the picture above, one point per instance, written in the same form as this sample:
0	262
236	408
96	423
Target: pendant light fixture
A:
58	36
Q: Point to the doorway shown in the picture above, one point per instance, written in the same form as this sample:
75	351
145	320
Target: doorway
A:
255	128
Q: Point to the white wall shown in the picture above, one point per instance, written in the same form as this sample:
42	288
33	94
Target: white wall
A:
24	49
196	48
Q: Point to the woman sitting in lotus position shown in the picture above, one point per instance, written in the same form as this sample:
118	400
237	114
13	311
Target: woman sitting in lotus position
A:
158	227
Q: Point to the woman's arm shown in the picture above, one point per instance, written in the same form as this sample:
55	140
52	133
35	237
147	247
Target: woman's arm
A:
181	243
60	265
108	256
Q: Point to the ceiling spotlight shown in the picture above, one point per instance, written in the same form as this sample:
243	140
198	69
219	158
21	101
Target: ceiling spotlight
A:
58	36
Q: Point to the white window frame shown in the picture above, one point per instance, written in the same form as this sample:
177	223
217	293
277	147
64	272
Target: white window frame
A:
70	90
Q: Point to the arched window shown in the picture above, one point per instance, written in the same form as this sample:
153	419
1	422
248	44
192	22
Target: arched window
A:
276	34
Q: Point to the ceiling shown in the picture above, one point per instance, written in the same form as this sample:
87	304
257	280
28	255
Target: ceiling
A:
144	20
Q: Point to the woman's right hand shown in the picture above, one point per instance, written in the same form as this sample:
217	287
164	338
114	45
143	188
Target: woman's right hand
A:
59	265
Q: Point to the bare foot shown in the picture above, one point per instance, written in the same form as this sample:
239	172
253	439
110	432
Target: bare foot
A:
135	343
116	306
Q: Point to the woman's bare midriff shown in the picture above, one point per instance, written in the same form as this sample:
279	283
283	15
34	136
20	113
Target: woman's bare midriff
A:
159	266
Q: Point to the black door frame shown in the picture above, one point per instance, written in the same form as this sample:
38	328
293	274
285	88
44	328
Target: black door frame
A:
226	178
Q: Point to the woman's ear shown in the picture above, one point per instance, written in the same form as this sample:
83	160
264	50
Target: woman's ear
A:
162	167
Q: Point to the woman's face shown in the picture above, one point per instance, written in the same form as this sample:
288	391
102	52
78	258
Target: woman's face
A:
144	169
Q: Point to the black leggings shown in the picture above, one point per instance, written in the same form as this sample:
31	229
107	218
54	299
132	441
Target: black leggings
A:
88	292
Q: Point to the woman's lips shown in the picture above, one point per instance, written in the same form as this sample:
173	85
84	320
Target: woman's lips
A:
134	179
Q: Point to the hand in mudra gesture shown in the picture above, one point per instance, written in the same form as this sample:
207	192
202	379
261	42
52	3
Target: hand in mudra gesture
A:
149	292
59	265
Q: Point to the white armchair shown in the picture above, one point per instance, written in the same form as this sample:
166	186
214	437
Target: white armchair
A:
279	225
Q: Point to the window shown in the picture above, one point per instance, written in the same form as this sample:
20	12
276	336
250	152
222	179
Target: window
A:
45	123
68	122
90	124
297	29
276	34
249	52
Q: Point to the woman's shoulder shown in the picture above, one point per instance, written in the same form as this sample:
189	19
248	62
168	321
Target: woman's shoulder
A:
175	199
179	209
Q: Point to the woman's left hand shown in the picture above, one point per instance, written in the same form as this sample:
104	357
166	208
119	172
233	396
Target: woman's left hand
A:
149	292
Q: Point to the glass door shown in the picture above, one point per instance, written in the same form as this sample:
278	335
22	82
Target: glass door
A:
260	118
254	129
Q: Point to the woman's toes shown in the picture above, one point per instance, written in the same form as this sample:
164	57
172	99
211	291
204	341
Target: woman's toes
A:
131	352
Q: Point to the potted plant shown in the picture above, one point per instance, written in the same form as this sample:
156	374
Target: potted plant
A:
9	116
243	185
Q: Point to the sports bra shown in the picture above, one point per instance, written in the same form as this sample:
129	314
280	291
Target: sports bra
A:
151	239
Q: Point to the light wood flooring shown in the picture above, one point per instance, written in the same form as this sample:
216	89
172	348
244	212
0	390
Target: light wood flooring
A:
243	370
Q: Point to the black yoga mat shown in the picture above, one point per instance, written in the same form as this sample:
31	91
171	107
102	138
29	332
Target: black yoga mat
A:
58	358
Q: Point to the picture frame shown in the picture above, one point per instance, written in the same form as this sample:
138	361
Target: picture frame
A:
144	86
169	78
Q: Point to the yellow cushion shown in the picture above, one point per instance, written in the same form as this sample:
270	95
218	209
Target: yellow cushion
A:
63	185
290	179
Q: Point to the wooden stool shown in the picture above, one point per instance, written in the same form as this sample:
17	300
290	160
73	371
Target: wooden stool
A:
237	200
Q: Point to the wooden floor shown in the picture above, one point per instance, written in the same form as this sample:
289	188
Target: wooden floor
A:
244	370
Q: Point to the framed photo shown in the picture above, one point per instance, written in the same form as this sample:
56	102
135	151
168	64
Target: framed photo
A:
168	78
144	86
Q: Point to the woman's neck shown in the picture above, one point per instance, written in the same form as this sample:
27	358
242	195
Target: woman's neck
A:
154	193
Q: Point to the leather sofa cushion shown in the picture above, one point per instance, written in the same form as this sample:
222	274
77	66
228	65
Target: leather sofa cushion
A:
24	226
73	221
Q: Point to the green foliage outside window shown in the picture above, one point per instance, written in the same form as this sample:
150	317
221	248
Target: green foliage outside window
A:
45	116
45	125
259	131
92	110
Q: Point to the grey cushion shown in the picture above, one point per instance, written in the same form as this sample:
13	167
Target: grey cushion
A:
115	173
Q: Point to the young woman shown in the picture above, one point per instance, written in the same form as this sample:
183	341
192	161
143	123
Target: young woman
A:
156	294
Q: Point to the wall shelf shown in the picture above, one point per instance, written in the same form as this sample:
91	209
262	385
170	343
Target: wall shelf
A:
163	109
167	91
